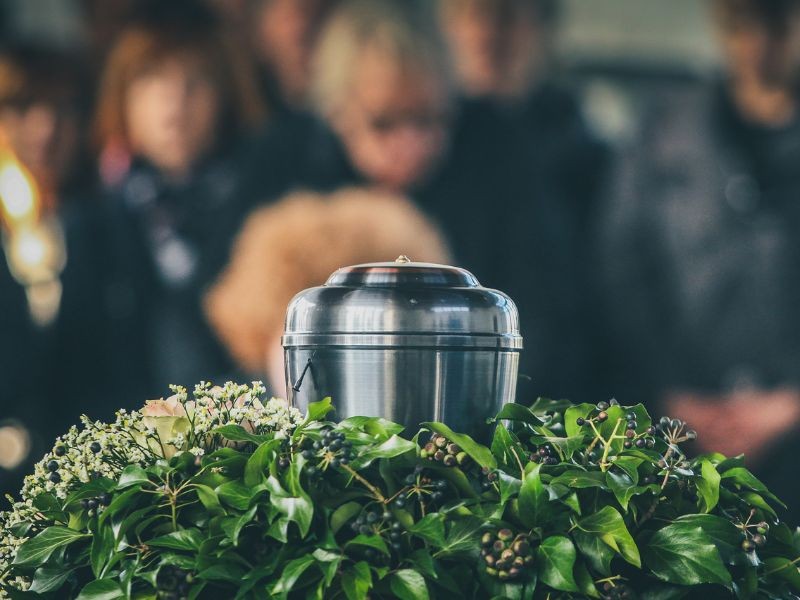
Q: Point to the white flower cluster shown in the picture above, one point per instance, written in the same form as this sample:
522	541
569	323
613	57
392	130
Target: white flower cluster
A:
160	430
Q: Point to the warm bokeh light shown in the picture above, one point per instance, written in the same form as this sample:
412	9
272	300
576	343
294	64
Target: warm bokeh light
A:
19	197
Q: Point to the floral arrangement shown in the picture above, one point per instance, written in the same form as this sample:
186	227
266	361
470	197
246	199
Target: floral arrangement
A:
225	495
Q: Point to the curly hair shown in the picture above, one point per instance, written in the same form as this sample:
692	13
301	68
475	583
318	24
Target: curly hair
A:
297	243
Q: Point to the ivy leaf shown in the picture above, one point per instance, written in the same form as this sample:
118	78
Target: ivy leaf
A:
49	579
480	454
295	502
556	560
462	537
259	462
584	580
185	539
316	412
394	446
103	545
408	584
686	556
708	486
622	486
596	552
781	567
430	528
745	478
512	411
291	573
608	525
369	541
37	550
724	534
572	414
376	427
101	589
357	581
237	433
343	514
132	475
575	478
534	501
235	494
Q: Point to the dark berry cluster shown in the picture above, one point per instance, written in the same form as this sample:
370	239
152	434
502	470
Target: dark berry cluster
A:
424	487
616	591
675	431
91	504
755	534
632	439
544	454
600	416
332	448
506	555
374	522
173	583
488	478
442	450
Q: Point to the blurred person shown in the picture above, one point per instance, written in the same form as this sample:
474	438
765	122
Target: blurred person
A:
297	243
386	116
175	103
284	35
43	110
701	253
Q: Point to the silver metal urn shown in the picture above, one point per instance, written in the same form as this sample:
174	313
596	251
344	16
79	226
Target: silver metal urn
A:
406	341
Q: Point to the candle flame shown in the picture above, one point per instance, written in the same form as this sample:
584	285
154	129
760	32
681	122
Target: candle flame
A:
19	195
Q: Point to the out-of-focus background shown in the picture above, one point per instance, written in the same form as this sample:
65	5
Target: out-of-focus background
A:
172	173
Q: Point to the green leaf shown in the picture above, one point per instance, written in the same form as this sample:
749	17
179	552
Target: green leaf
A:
608	525
237	433
622	486
545	405
575	478
376	427
480	454
209	499
407	584
49	579
369	541
534	501
357	581
184	539
37	550
299	508
317	411
259	462
572	414
708	486
430	528
780	567
724	534
103	545
291	573
132	475
745	478
556	560
394	446
596	552
343	514
101	589
686	556
462	537
516	412
235	494
584	580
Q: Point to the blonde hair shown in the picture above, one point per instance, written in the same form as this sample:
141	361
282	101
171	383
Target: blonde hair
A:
297	243
402	31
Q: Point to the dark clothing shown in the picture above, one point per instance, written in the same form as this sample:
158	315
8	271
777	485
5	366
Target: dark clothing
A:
700	256
493	207
139	261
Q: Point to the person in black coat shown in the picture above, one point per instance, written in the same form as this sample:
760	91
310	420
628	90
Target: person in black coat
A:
385	115
700	251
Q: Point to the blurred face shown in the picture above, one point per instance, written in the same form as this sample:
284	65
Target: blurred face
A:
394	125
44	137
171	114
495	46
286	32
756	55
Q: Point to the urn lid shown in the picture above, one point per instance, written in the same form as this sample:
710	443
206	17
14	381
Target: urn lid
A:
402	304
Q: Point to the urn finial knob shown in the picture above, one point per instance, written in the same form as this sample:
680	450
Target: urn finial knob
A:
402	259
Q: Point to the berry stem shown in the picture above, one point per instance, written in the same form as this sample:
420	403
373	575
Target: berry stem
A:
375	491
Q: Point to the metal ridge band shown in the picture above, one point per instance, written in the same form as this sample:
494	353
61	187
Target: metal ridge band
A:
402	340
